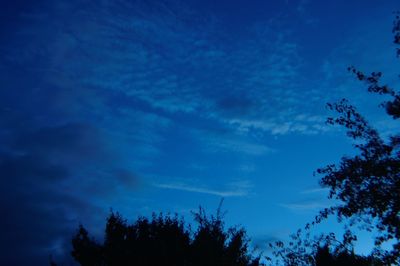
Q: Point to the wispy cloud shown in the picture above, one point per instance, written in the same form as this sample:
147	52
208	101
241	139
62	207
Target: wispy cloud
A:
311	199
238	146
305	206
234	189
153	50
315	191
279	126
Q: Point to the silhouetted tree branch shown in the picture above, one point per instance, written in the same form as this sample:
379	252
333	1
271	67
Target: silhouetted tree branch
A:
367	185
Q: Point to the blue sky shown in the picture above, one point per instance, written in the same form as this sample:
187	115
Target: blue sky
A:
145	106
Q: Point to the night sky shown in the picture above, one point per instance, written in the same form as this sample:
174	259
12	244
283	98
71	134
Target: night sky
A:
142	106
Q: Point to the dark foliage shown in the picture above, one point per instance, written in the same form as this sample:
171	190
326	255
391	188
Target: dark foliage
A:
325	257
164	240
323	250
368	185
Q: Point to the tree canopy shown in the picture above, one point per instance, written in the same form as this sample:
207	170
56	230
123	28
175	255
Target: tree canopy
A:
367	185
164	240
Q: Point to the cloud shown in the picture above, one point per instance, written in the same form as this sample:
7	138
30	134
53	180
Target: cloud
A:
235	105
304	206
15	167
316	199
126	178
281	126
235	189
229	142
237	146
38	211
45	186
69	139
152	49
315	191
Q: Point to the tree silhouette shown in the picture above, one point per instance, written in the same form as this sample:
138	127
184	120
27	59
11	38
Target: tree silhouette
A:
86	251
367	185
164	240
322	250
212	245
325	257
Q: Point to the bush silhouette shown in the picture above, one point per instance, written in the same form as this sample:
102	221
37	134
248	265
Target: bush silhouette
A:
325	257
322	250
164	240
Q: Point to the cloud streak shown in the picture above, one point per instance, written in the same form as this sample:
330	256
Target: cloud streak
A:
240	189
304	206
